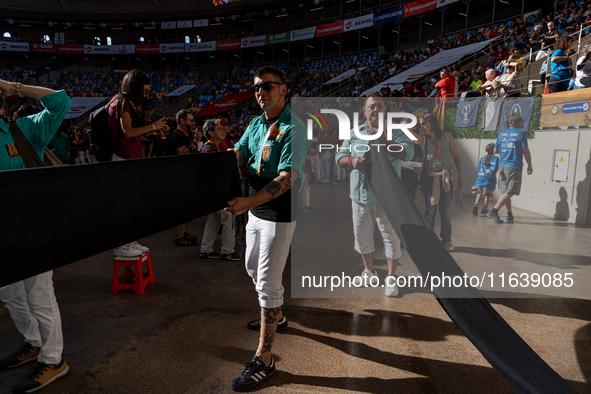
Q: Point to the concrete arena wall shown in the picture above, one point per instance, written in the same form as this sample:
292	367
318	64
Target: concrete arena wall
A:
539	193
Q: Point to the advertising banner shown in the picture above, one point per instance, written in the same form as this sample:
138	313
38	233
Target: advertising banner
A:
75	49
96	49
81	105
229	44
180	91
201	23
358	23
172	48
329	28
200	46
303	34
418	7
147	49
278	38
168	25
391	15
250	42
184	24
47	48
14	46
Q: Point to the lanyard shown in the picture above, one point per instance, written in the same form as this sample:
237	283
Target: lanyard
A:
214	144
266	150
437	147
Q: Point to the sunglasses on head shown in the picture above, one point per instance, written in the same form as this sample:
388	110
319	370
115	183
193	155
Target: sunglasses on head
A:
265	86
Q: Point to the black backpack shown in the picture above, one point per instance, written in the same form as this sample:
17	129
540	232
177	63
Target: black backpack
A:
102	144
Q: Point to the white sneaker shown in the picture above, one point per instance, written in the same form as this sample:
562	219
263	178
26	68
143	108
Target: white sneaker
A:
127	250
141	248
391	291
365	278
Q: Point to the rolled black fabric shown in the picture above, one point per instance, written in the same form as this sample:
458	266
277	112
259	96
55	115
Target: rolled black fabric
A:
55	216
508	354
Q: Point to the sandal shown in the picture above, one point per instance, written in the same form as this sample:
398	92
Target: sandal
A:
185	241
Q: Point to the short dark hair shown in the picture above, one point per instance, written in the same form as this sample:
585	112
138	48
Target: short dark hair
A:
182	114
269	70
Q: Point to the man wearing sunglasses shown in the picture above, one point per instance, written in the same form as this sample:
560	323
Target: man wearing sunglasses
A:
182	141
273	148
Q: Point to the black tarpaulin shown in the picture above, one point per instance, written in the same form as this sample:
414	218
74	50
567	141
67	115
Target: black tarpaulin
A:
58	215
504	349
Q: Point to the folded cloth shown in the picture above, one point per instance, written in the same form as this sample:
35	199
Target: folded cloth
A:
446	179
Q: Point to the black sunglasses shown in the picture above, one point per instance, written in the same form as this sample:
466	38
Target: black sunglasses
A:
265	85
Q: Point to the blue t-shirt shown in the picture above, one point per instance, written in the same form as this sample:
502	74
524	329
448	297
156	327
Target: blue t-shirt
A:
487	175
510	144
562	70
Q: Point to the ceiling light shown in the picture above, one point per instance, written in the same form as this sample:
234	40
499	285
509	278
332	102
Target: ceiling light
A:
461	14
395	31
85	58
336	43
236	55
427	23
137	58
316	9
280	16
103	25
367	38
187	58
136	24
285	50
310	46
261	52
213	57
50	24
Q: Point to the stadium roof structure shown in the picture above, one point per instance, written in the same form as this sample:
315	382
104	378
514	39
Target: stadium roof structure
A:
126	9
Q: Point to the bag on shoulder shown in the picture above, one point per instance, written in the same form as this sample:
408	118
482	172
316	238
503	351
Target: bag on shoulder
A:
27	152
102	144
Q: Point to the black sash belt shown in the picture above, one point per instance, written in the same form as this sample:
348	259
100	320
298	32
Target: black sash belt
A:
55	216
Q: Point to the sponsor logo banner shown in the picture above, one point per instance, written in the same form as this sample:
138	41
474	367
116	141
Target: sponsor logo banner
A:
172	48
200	46
249	42
122	49
303	34
147	48
418	7
14	46
358	23
47	48
391	15
201	22
168	25
70	49
278	38
229	44
184	24
329	28
97	49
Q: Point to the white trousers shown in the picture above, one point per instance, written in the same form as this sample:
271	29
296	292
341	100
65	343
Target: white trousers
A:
316	167
214	220
365	218
35	313
305	190
267	249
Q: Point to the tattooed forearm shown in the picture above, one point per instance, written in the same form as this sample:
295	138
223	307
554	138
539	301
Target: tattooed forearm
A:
270	315
274	187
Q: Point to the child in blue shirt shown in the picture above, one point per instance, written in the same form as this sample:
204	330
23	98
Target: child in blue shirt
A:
486	179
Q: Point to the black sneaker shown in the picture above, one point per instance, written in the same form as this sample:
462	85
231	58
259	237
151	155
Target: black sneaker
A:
475	210
22	356
510	219
484	211
494	216
232	256
186	235
212	255
255	325
254	373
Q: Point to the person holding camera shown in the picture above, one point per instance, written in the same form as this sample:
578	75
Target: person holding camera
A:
126	116
183	141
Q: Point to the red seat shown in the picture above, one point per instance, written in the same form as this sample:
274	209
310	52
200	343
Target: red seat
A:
133	276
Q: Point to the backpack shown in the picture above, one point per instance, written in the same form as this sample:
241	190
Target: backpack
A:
102	144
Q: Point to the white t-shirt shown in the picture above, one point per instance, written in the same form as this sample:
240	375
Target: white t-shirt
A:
584	75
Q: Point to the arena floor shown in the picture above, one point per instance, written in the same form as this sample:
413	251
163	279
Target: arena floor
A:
187	333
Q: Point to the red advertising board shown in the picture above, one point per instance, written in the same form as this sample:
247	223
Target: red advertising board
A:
330	28
229	44
226	103
47	48
418	7
147	48
76	49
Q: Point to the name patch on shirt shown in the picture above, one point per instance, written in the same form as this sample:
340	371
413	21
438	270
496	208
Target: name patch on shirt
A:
12	151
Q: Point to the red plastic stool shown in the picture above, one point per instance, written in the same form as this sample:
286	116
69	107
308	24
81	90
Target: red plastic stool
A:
133	270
